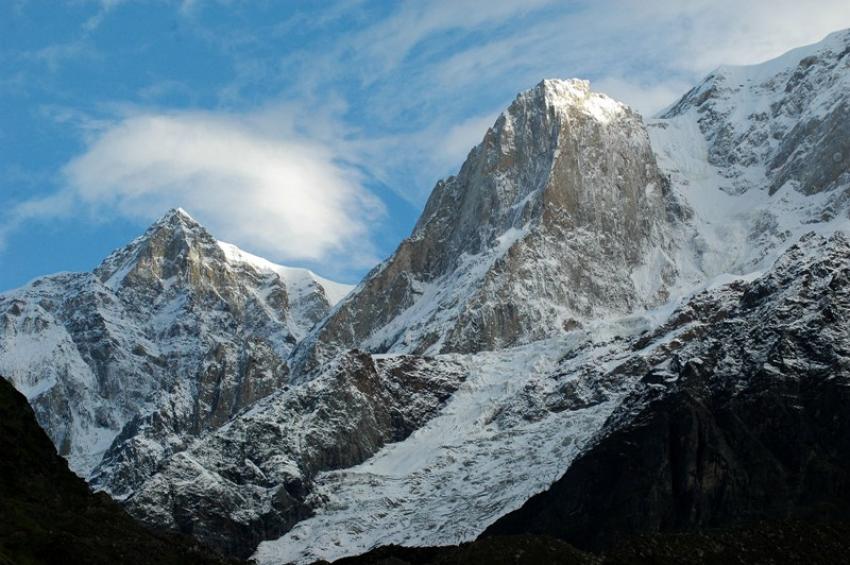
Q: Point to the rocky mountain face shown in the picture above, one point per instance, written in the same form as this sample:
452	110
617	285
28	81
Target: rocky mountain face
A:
565	179
780	123
49	515
730	223
252	479
560	215
169	337
741	414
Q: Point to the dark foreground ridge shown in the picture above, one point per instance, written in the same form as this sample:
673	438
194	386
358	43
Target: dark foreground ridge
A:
790	543
49	515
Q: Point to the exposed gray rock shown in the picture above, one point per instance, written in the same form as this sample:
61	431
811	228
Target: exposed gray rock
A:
558	216
251	480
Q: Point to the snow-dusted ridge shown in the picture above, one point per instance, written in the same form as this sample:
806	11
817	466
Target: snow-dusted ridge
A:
299	280
174	320
518	420
761	154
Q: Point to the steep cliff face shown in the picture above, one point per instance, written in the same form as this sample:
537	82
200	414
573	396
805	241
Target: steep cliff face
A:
743	153
742	417
169	337
558	216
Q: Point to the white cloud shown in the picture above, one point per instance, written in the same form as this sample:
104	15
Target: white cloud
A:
388	42
715	32
454	145
281	196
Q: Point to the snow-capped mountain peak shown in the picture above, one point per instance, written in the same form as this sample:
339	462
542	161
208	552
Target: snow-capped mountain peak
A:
565	95
761	153
170	336
553	219
170	247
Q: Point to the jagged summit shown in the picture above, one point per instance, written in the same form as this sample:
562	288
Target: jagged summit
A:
178	247
180	212
562	95
555	217
174	216
169	337
174	245
175	220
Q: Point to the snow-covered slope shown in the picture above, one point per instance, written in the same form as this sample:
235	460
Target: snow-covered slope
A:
761	154
169	336
754	161
522	415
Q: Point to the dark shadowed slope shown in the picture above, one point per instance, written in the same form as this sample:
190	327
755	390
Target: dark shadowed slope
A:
48	514
780	543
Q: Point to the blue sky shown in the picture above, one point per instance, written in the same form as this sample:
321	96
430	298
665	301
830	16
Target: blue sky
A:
310	133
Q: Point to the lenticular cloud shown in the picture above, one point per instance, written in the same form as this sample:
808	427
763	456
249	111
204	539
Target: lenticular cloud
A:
285	197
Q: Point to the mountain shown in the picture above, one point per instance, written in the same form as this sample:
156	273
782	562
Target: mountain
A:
48	515
565	177
601	326
252	479
558	217
761	154
170	336
527	414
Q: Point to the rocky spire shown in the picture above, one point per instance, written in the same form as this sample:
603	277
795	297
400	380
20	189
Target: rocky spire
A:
558	215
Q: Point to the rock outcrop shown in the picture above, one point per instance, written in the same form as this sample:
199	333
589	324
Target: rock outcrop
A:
252	479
